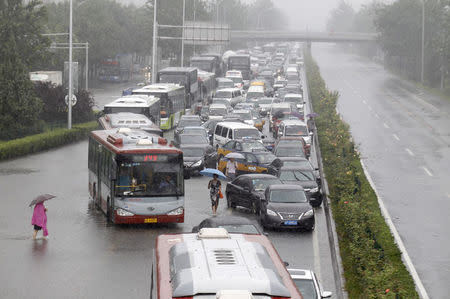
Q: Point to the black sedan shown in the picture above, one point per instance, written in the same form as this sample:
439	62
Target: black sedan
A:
185	139
233	224
247	190
198	156
286	206
305	178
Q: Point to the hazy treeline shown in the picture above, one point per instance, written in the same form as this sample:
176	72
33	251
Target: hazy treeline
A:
399	28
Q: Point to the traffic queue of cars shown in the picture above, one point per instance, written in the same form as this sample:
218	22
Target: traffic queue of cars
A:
274	177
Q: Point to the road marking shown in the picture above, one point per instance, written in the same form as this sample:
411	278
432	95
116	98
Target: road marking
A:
315	241
396	137
410	152
405	256
385	125
427	171
377	116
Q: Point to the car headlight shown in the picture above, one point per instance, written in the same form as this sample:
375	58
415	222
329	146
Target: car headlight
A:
177	211
271	213
309	213
314	190
198	163
122	212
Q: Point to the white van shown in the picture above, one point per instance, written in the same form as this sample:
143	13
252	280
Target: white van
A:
226	131
233	95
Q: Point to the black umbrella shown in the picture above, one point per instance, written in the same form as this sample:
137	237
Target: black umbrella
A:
41	198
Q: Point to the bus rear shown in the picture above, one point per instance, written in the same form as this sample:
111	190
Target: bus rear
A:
213	262
134	177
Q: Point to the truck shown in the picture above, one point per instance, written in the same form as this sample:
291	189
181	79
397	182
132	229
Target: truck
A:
54	77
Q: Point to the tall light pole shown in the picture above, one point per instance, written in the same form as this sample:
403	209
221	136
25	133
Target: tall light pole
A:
182	39
69	102
155	41
423	44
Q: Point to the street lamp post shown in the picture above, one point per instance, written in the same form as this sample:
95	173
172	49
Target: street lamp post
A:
182	40
155	41
69	102
423	44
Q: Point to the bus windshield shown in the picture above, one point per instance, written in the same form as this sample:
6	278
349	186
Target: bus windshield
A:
173	78
203	65
146	179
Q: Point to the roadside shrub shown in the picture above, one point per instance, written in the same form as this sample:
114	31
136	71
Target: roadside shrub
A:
44	141
372	261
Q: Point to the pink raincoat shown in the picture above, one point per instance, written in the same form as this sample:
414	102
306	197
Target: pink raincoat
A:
40	217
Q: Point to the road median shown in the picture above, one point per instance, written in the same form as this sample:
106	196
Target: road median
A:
44	141
372	262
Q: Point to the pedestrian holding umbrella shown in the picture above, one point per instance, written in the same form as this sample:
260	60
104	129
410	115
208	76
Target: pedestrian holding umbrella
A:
214	186
39	219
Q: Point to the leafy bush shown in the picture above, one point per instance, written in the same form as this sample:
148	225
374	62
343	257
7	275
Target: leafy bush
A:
372	261
44	141
55	108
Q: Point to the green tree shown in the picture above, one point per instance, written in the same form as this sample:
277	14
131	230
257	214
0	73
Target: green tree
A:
21	44
341	18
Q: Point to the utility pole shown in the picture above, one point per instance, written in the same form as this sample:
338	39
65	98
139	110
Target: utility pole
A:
86	68
155	41
69	102
182	33
423	44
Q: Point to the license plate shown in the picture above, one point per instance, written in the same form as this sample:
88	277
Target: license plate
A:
290	222
150	220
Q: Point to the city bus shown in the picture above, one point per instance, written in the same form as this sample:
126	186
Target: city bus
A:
213	263
149	106
172	97
240	62
135	177
186	76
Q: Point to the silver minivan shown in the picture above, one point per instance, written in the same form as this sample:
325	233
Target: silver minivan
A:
226	131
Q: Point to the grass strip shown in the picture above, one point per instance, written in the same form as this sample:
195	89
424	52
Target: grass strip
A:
44	141
372	262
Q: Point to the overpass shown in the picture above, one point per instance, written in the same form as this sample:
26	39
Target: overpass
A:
305	36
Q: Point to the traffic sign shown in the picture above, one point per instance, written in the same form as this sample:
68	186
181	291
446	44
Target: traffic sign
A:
74	100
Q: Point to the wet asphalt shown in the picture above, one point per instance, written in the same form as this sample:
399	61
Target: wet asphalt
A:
403	134
86	257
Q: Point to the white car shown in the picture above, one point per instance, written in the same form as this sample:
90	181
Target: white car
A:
308	284
237	78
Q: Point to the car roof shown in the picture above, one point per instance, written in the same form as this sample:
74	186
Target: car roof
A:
228	89
237	111
224	79
194	128
257	176
216	105
284	187
293	122
186	146
294	167
300	273
190	117
236	125
293	138
293	95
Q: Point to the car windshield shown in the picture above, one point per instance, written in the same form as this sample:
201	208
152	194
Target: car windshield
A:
250	146
223	94
292	99
306	287
265	157
242	133
288	196
193	152
217	111
291	151
193	139
299	130
254	94
296	175
290	142
263	183
235	79
226	84
301	164
189	123
240	229
244	115
140	179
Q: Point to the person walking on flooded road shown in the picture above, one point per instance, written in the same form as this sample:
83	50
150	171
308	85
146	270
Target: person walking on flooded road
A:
39	219
214	186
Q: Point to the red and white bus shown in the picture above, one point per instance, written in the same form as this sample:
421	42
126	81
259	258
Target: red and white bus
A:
213	263
135	177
